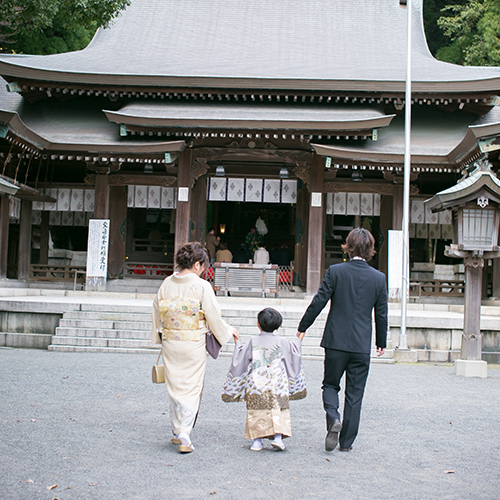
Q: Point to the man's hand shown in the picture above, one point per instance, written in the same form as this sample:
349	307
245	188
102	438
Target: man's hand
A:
300	335
380	351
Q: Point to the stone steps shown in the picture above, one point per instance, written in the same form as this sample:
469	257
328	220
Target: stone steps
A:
127	329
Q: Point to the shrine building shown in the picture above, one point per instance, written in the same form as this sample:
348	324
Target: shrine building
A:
182	116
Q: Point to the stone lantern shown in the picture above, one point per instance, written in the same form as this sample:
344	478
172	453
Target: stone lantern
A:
475	205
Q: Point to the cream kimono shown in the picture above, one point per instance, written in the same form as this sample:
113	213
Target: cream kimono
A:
266	372
183	311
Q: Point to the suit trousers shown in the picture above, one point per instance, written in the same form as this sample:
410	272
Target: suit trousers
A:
355	365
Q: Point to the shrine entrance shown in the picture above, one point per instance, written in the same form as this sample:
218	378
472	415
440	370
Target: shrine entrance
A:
232	221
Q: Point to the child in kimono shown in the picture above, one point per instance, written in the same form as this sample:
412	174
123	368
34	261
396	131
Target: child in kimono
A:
266	372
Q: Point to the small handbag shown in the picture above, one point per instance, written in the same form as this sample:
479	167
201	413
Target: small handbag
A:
158	374
213	346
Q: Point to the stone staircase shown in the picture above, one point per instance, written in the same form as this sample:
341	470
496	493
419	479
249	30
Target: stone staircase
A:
127	329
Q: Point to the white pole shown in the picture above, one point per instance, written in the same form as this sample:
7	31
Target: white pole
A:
403	340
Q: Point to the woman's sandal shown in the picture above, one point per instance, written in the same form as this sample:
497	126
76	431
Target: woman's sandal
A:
185	445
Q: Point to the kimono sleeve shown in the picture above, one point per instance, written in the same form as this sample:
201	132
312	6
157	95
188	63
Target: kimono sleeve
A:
292	358
155	337
221	330
234	388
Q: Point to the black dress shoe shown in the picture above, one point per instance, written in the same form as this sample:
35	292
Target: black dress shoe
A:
345	449
332	436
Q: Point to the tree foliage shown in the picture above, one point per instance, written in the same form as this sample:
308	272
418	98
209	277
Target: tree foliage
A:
432	11
47	27
464	31
474	31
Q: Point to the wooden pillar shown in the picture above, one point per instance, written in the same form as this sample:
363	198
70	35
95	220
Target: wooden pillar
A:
4	235
24	256
301	232
182	232
386	210
199	209
118	220
44	238
471	338
101	203
397	206
496	279
484	287
315	250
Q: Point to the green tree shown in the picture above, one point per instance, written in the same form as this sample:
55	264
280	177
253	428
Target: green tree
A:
474	33
47	27
432	11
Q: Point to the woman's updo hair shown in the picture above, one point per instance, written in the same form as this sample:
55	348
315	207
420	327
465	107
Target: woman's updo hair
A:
190	253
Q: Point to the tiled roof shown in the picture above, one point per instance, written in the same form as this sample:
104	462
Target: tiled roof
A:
263	44
463	189
436	138
255	116
76	125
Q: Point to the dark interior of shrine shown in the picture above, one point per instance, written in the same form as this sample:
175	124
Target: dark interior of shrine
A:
232	221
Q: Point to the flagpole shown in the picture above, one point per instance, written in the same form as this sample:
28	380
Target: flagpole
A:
403	340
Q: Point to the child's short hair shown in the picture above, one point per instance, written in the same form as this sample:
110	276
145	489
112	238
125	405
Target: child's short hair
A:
269	319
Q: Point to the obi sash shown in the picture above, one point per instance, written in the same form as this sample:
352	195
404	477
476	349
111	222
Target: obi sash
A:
181	319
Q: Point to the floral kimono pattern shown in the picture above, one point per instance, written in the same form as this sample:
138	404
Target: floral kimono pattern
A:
267	373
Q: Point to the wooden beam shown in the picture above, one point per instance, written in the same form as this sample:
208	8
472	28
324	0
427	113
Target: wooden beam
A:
182	232
118	216
385	225
301	234
397	206
4	235
199	210
101	203
315	253
24	256
44	238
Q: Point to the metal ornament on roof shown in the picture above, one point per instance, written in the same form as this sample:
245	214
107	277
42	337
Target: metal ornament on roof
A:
483	201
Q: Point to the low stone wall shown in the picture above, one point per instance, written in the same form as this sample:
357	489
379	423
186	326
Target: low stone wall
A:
32	330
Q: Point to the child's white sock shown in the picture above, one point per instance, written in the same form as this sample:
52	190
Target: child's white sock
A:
277	442
256	445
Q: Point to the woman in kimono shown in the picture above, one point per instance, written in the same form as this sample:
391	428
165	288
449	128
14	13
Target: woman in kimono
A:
184	310
266	372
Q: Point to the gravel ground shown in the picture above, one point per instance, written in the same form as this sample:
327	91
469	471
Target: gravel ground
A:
97	427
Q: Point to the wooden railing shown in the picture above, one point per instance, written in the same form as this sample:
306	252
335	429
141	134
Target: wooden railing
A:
149	246
47	272
285	274
153	270
442	288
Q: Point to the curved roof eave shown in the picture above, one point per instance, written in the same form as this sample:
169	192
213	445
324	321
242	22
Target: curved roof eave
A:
357	155
454	157
11	71
19	129
249	117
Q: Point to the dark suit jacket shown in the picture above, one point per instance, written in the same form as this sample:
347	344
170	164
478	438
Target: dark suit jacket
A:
355	289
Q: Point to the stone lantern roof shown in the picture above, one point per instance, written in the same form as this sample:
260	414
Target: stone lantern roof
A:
481	181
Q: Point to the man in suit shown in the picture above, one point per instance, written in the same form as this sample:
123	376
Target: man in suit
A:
355	290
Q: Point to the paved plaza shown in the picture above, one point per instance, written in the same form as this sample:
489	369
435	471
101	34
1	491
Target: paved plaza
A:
94	425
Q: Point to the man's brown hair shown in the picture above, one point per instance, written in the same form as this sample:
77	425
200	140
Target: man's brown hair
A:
360	243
